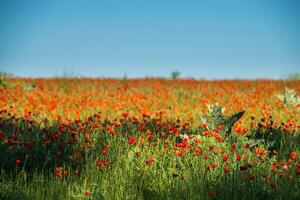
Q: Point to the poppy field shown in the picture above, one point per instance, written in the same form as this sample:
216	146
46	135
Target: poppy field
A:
152	138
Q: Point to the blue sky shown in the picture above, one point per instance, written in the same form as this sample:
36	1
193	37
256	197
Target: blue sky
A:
203	39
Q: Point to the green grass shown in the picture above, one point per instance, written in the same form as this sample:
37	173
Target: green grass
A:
128	176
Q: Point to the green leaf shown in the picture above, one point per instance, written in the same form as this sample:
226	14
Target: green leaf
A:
98	196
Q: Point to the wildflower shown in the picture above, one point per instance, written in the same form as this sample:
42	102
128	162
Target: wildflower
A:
243	168
212	193
179	154
276	165
216	151
167	141
266	177
213	165
220	126
87	136
195	153
87	193
131	140
226	169
273	185
138	154
76	172
281	174
165	147
238	156
59	172
297	170
99	162
18	162
273	170
197	141
150	161
225	158
233	145
106	163
105	150
250	177
241	176
283	162
95	125
294	155
247	145
219	139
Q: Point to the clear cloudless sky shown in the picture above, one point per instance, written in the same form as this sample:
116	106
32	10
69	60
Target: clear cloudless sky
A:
202	38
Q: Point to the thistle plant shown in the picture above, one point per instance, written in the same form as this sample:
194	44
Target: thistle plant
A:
3	76
289	99
216	118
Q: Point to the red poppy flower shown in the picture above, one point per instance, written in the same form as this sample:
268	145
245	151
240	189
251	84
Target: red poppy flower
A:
250	176
131	140
225	158
273	170
285	168
213	165
294	155
275	164
165	147
233	145
99	162
226	169
18	162
247	145
243	168
106	163
150	161
87	193
1	134
273	185
163	134
238	156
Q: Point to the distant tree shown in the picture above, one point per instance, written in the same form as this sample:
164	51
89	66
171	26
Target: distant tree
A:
294	77
125	78
68	73
3	77
175	75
